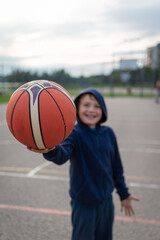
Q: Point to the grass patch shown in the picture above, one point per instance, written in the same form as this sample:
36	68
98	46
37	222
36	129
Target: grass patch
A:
4	99
74	92
136	95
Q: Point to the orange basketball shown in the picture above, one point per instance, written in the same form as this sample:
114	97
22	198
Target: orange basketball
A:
41	114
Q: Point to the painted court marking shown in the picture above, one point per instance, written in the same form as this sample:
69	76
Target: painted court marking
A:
152	186
51	171
151	150
68	213
141	150
38	168
43	177
32	175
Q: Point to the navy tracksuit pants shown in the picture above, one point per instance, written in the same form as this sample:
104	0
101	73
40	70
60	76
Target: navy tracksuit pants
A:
92	223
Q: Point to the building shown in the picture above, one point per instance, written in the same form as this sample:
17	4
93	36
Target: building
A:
128	64
153	57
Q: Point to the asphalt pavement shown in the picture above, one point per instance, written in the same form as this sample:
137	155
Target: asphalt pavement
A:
34	199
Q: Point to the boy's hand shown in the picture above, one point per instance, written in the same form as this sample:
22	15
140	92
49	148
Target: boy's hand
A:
46	150
127	205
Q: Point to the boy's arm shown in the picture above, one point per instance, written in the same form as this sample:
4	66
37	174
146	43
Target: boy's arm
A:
59	154
118	174
125	197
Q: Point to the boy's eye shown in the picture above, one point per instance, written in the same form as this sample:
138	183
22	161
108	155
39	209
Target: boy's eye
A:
97	106
86	105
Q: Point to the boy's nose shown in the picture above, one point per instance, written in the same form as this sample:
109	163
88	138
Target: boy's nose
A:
91	108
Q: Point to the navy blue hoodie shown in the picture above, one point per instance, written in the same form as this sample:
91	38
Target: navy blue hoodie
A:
95	163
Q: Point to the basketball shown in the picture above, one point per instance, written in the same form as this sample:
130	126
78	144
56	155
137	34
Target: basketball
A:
41	114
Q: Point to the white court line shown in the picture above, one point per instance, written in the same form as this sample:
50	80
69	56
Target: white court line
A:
140	141
141	150
38	168
142	185
42	177
122	149
66	179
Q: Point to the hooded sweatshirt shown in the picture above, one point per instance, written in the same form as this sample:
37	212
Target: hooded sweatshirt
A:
95	163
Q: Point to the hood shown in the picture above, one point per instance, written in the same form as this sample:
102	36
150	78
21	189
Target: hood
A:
99	98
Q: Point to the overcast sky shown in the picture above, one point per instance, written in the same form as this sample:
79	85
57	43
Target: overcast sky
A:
74	34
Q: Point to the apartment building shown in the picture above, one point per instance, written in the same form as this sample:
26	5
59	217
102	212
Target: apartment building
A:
153	57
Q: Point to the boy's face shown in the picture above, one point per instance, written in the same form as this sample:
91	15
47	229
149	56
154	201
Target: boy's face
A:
89	110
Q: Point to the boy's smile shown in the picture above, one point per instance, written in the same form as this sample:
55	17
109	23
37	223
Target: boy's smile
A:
89	110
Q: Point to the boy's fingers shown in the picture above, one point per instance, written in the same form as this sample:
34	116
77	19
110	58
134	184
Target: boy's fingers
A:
121	208
135	198
129	211
125	212
40	150
132	211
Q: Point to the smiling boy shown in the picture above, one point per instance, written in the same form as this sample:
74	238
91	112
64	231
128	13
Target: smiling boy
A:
95	170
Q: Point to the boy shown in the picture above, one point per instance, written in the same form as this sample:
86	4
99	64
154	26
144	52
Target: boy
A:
95	169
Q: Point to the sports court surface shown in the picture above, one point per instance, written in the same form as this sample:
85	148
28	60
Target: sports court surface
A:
34	201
